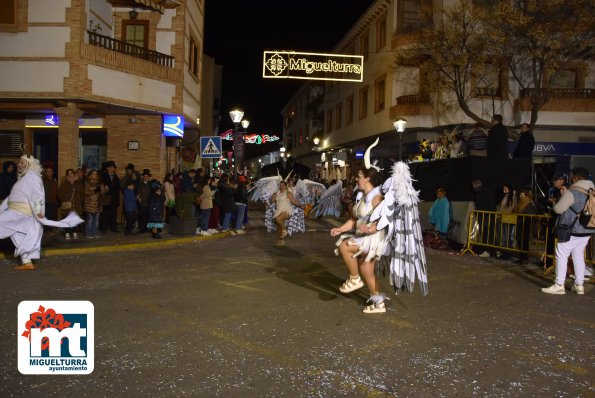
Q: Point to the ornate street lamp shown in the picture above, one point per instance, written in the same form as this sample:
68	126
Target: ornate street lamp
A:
236	117
400	124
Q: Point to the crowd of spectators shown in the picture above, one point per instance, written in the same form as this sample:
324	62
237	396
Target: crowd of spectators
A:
491	143
138	202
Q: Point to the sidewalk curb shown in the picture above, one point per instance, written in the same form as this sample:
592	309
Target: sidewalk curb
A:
123	247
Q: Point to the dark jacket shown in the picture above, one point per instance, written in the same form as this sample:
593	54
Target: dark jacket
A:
497	142
113	183
143	190
7	180
187	183
50	186
156	203
524	147
226	200
241	194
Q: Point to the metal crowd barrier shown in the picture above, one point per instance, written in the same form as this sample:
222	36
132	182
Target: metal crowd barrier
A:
516	233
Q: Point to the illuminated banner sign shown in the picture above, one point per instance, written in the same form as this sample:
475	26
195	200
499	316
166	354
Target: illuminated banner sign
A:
173	126
312	66
250	138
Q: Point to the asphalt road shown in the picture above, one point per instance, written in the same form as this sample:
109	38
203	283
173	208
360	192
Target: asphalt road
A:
242	316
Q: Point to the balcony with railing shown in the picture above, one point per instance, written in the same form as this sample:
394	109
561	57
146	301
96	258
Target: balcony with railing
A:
413	104
120	46
117	54
560	100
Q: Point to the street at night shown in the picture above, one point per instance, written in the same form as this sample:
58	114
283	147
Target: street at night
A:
240	316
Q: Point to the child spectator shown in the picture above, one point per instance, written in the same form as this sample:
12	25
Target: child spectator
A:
130	207
156	205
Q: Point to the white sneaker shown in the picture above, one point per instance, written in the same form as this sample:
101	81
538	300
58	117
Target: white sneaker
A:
212	231
578	289
67	236
75	236
485	254
205	233
197	231
554	289
240	231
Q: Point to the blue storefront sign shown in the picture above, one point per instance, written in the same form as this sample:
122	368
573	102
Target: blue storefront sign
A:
173	126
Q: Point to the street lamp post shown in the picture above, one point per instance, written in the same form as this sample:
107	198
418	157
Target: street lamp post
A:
236	117
242	145
400	124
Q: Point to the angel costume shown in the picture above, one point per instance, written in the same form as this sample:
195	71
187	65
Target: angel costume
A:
374	245
398	238
19	218
264	189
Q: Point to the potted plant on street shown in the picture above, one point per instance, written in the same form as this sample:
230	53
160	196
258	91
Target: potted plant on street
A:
183	223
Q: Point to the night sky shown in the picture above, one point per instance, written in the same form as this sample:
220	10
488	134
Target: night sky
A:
238	31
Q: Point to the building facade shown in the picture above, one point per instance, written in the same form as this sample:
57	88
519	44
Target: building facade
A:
86	81
350	115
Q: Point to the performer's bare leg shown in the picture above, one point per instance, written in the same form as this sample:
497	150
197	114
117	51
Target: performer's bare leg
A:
280	221
347	253
367	269
354	282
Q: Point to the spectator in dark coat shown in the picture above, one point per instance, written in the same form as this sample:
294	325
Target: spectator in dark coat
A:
226	194
156	208
131	174
50	186
130	207
110	179
8	177
143	192
525	144
497	139
241	203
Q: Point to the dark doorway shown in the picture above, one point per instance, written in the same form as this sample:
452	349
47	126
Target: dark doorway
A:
45	147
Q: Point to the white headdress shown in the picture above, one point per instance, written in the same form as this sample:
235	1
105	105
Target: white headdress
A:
32	163
367	157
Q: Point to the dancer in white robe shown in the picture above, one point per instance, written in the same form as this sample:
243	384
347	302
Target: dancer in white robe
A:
22	213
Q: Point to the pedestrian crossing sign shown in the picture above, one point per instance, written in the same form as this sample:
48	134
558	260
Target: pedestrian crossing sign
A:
210	147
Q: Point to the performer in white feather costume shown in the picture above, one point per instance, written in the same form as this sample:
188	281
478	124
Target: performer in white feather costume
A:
361	250
386	226
22	213
285	211
288	212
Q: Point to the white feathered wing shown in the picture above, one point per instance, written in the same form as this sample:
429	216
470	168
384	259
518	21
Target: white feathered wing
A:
329	203
399	213
263	189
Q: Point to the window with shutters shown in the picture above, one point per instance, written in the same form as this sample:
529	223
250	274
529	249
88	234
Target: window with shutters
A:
10	143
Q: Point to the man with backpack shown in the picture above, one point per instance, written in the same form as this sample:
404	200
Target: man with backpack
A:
570	207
